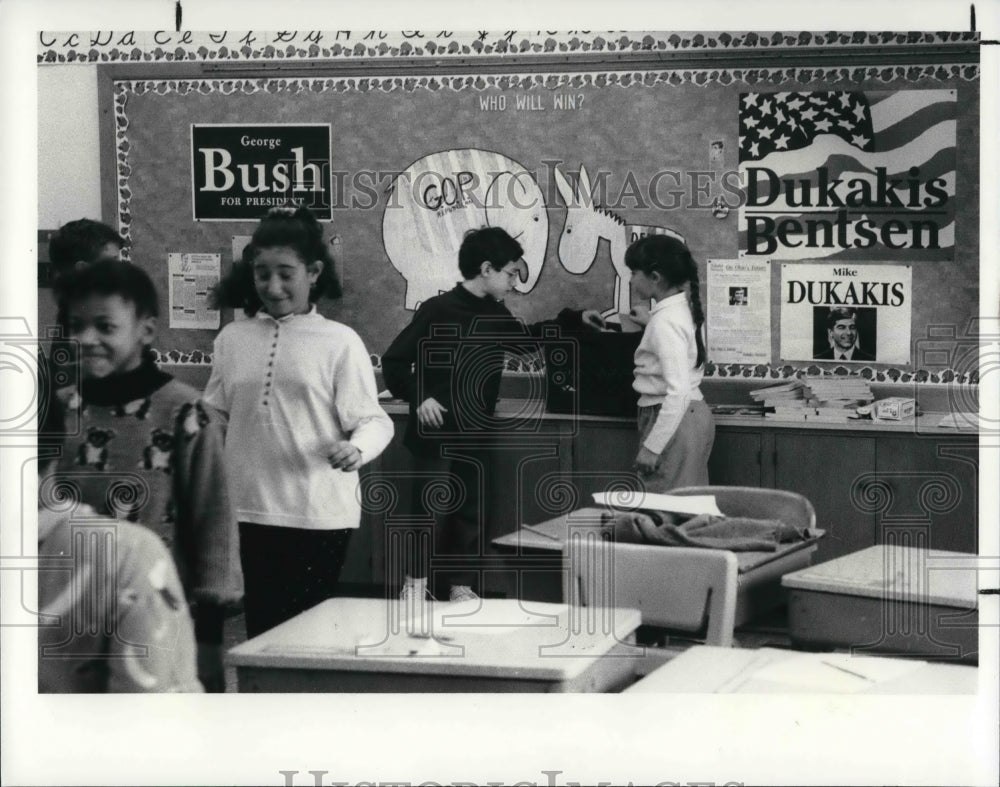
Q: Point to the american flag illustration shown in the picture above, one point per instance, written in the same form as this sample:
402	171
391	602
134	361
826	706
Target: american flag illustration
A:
848	175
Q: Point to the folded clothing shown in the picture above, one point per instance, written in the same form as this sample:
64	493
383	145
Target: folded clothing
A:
737	534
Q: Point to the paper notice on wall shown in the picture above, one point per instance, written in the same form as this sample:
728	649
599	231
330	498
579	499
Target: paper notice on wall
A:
846	313
739	311
192	278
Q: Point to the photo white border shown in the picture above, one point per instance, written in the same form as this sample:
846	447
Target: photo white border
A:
375	738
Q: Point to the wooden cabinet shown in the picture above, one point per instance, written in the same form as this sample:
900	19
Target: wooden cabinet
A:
868	486
603	457
386	490
528	479
930	491
736	457
822	466
831	471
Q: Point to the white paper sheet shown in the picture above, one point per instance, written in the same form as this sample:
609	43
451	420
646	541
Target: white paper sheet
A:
675	504
192	277
739	311
963	420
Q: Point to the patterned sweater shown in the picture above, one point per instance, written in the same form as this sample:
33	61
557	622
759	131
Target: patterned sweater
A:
142	447
112	616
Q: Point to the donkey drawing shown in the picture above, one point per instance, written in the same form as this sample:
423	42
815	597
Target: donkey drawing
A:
586	224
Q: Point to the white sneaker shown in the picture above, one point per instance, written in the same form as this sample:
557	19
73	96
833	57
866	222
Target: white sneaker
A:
462	593
416	590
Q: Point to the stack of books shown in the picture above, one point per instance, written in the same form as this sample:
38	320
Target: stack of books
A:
822	399
837	398
785	395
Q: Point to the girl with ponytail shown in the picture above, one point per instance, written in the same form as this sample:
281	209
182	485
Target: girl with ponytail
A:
676	428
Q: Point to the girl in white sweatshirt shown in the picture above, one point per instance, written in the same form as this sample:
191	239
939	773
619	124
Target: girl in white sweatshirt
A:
676	428
304	415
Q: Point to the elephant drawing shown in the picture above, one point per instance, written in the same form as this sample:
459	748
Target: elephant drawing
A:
440	197
586	223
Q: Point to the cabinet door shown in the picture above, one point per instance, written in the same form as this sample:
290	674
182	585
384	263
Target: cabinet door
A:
522	483
386	494
830	470
357	574
603	458
735	459
933	485
529	480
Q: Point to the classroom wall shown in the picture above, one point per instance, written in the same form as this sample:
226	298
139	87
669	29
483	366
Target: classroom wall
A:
633	125
623	127
69	167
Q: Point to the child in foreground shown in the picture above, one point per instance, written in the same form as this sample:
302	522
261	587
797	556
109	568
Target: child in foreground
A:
146	448
112	615
300	394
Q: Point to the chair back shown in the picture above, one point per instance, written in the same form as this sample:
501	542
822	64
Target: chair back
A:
756	503
672	587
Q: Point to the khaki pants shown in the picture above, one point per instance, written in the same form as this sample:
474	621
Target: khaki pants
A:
684	462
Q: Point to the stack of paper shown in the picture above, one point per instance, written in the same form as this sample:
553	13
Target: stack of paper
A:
779	395
648	501
817	398
837	392
971	421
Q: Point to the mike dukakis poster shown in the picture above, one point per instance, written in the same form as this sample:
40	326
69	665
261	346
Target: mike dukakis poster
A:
848	175
846	313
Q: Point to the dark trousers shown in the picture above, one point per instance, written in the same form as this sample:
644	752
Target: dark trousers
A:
287	570
450	492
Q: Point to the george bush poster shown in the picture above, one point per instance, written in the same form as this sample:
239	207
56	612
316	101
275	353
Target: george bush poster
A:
851	314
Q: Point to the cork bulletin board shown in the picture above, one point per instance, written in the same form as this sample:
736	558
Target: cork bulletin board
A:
648	141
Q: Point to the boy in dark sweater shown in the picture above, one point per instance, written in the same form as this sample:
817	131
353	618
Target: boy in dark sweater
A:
448	364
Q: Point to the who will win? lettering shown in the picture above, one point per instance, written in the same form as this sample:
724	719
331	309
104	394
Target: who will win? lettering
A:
530	102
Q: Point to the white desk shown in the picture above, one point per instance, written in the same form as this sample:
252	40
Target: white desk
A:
888	599
495	645
535	551
709	670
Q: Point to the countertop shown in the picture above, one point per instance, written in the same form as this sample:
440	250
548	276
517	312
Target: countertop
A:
924	424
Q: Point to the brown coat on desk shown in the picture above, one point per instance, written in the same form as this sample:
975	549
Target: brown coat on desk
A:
737	534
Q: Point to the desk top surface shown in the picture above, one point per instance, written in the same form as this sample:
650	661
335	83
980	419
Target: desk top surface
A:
492	637
930	576
964	425
705	669
550	536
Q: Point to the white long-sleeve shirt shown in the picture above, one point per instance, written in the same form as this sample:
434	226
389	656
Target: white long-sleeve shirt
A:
665	372
292	388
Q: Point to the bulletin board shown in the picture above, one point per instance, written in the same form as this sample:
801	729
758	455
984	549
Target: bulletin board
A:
648	140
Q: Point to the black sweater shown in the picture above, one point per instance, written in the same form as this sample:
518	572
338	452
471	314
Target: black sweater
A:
453	351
